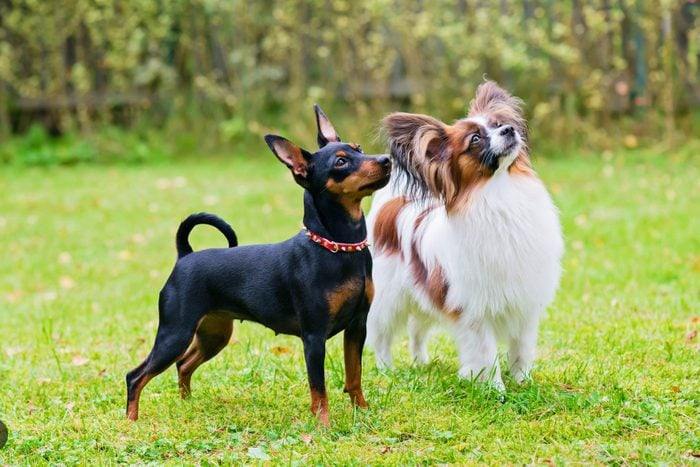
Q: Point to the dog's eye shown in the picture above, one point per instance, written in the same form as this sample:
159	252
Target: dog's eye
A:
341	162
475	139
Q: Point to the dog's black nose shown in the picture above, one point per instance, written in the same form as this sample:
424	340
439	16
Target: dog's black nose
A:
507	130
385	162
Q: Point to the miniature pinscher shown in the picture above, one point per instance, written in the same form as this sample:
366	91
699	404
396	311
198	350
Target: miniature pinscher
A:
313	285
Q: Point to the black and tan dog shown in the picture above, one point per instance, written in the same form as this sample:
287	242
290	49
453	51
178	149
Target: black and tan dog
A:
313	285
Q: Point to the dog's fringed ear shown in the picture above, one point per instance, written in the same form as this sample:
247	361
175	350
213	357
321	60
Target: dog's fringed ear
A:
418	137
291	155
326	132
417	141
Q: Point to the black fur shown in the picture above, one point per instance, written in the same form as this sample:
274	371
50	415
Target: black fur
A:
294	287
181	237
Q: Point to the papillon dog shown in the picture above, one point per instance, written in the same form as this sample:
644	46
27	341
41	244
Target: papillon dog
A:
466	234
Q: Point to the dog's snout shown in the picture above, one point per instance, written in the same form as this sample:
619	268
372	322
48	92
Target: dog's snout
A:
385	162
507	130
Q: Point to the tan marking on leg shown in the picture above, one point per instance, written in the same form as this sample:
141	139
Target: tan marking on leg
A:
212	335
353	371
132	406
319	406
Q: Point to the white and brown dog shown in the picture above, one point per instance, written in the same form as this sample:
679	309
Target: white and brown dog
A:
468	232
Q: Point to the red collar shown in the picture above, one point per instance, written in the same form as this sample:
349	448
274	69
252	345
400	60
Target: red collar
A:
335	247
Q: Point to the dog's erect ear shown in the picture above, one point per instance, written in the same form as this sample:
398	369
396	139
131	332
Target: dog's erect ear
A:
496	103
415	138
326	132
291	155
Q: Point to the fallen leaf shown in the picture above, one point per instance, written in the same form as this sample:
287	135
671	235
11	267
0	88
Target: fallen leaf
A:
279	349
69	406
138	238
162	183
14	296
65	258
691	335
79	360
44	380
66	282
385	449
211	200
307	439
179	181
675	388
10	351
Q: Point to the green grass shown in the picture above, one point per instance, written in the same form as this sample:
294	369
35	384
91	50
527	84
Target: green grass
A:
86	249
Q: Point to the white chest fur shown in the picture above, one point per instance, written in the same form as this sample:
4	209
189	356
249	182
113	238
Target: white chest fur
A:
503	252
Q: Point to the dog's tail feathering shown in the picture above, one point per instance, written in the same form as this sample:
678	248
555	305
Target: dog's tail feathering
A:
183	232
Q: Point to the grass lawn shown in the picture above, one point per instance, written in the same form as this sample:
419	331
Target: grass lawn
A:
85	251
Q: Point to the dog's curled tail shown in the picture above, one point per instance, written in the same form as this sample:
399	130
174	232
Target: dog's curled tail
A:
183	232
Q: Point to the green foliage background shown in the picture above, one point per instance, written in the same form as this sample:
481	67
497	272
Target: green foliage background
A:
212	72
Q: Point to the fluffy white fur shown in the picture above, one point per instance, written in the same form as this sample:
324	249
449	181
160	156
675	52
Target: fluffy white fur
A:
500	255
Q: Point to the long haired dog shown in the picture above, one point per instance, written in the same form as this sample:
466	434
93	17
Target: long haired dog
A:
469	233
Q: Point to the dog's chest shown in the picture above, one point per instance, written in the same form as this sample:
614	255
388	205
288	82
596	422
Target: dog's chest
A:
505	248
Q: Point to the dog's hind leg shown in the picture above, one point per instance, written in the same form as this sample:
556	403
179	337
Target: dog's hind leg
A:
419	327
478	352
213	334
521	349
172	339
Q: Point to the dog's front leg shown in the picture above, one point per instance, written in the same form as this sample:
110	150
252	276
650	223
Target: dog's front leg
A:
315	354
353	342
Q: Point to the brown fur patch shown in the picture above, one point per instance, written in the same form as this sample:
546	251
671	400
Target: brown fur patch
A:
453	314
340	154
521	166
437	286
339	296
386	235
432	281
369	290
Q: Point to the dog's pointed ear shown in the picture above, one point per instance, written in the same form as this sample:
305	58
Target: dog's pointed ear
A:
497	103
291	155
326	132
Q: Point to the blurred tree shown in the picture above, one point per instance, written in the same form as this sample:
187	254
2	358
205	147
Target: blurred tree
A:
219	67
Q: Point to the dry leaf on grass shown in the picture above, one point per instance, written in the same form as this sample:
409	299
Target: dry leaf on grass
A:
79	360
280	349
